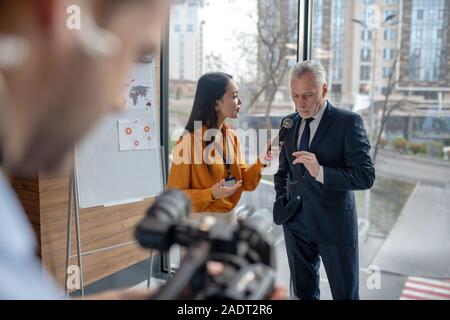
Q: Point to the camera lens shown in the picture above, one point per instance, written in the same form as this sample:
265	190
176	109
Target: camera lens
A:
172	206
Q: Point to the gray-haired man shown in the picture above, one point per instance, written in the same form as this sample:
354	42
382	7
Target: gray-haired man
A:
326	155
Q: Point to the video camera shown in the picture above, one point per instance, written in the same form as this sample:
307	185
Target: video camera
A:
244	249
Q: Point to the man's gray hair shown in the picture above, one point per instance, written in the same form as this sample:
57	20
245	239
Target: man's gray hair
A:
316	68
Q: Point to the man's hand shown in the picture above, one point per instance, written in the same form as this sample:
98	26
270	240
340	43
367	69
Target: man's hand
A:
309	160
220	192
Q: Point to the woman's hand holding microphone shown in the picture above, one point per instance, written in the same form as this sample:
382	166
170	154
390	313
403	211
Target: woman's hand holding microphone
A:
269	154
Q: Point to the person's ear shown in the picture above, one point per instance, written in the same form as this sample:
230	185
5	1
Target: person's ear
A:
324	90
217	105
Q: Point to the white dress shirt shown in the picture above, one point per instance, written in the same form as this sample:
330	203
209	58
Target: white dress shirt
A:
313	125
21	274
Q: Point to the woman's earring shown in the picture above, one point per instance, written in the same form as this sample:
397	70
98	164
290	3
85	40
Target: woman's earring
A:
13	50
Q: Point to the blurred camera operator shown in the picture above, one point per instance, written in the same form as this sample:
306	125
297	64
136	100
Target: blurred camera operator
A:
56	82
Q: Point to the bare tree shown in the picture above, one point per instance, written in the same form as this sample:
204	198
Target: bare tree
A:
268	50
388	106
214	62
275	31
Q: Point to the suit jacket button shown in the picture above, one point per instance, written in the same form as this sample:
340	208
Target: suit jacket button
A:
298	197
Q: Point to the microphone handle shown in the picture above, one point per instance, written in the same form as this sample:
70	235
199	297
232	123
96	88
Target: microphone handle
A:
279	138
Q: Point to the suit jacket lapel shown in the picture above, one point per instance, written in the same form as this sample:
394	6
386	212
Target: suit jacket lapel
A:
323	127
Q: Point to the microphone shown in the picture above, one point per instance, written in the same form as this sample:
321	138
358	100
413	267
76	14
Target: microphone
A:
287	124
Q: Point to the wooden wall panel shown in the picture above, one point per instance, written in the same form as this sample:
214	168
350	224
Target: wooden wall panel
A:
30	201
31	184
100	228
95	266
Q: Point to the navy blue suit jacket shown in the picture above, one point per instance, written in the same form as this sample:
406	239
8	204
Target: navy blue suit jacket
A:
327	213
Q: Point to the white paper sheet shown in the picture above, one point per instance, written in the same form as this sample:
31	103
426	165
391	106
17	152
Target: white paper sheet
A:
136	134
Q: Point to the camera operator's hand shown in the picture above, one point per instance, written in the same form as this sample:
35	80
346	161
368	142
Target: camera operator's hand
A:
216	268
219	192
279	294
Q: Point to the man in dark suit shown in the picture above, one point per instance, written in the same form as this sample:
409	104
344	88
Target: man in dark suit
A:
325	156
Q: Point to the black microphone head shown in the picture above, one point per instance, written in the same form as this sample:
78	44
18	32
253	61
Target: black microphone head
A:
288	123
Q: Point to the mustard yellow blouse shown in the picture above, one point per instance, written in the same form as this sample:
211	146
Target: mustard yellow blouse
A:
190	172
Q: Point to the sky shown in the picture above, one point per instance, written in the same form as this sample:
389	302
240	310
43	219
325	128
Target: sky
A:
225	21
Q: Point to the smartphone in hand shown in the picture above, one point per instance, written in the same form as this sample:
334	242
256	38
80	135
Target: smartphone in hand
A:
229	182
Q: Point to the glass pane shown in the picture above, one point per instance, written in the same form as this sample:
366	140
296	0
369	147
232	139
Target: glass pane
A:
255	41
390	62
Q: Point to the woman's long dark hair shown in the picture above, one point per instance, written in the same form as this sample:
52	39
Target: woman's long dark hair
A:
210	88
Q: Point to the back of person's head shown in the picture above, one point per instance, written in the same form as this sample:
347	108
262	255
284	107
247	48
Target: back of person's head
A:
63	65
211	88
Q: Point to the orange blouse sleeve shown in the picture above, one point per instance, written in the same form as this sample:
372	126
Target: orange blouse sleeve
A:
180	178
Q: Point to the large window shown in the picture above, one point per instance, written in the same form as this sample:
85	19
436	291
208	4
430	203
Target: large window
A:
386	60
